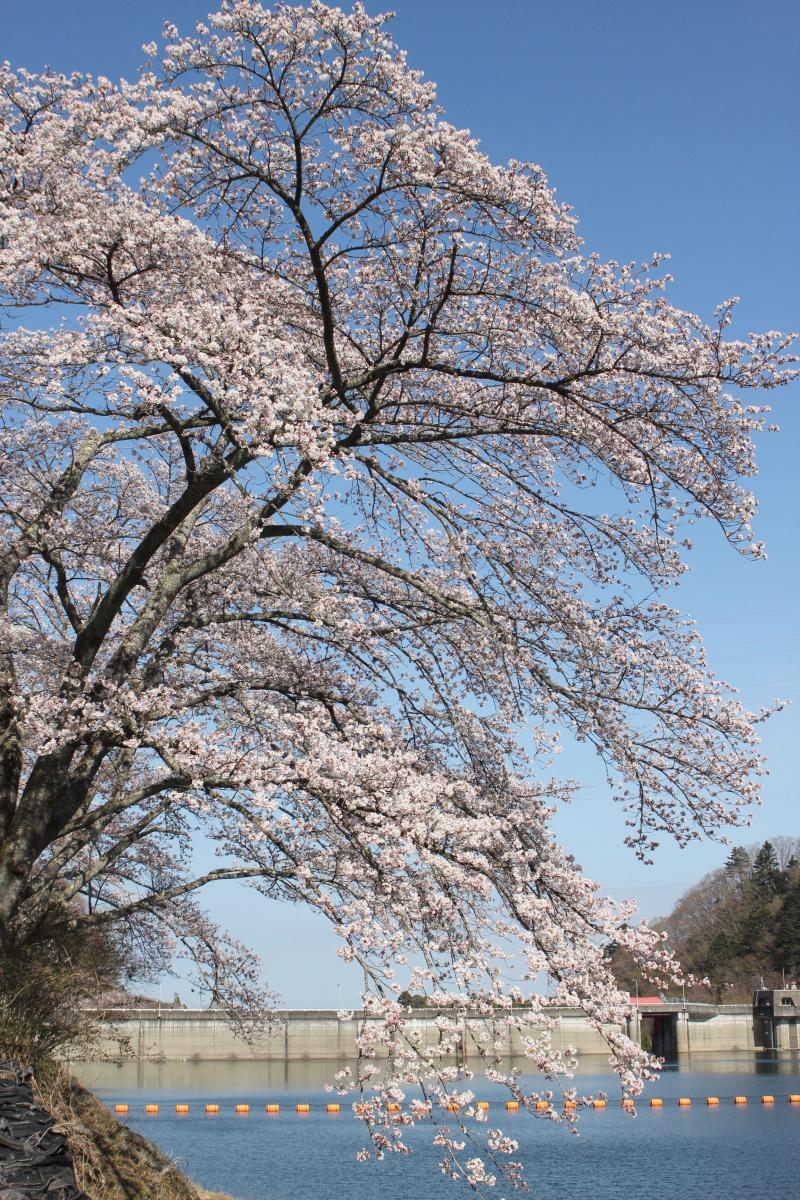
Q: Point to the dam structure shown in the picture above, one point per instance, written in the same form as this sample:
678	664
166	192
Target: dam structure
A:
669	1028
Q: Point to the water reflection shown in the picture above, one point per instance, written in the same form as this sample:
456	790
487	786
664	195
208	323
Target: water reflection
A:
768	1062
236	1076
240	1076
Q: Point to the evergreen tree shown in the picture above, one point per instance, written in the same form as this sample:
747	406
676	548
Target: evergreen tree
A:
737	865
767	877
738	862
755	929
720	950
787	934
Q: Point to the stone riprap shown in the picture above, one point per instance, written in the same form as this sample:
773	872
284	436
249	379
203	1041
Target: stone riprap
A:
35	1161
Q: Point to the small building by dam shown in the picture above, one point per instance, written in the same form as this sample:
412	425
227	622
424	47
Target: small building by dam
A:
670	1029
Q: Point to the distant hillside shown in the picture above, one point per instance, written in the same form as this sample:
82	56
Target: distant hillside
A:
739	924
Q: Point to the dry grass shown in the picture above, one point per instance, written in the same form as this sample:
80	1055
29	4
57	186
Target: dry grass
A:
111	1161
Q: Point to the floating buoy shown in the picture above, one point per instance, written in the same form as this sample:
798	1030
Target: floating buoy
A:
794	1098
628	1104
393	1107
598	1104
684	1102
120	1108
242	1109
272	1108
151	1108
541	1105
182	1109
302	1108
453	1106
483	1105
767	1099
656	1102
333	1108
740	1099
512	1105
212	1109
712	1100
570	1104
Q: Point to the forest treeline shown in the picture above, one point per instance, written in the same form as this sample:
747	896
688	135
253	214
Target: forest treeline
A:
738	925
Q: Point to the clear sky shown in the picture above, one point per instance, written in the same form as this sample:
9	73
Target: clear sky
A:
668	126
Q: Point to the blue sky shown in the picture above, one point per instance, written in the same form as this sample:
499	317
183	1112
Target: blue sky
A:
669	127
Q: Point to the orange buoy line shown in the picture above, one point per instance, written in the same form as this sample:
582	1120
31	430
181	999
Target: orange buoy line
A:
272	1108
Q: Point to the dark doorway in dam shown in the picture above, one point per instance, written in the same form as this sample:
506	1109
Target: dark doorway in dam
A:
660	1034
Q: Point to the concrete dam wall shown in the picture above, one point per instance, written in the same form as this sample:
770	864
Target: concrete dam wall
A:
318	1034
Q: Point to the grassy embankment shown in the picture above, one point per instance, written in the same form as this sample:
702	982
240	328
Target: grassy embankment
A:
111	1161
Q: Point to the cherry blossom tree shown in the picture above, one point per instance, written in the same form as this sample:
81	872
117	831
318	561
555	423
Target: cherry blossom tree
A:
338	482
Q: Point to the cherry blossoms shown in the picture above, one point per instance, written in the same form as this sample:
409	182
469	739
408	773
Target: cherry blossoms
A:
337	482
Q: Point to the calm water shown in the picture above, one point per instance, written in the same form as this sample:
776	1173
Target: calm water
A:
700	1153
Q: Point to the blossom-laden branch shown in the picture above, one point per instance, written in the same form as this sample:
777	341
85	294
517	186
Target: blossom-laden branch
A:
341	481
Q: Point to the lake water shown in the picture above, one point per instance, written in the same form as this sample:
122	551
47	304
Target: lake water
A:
699	1153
